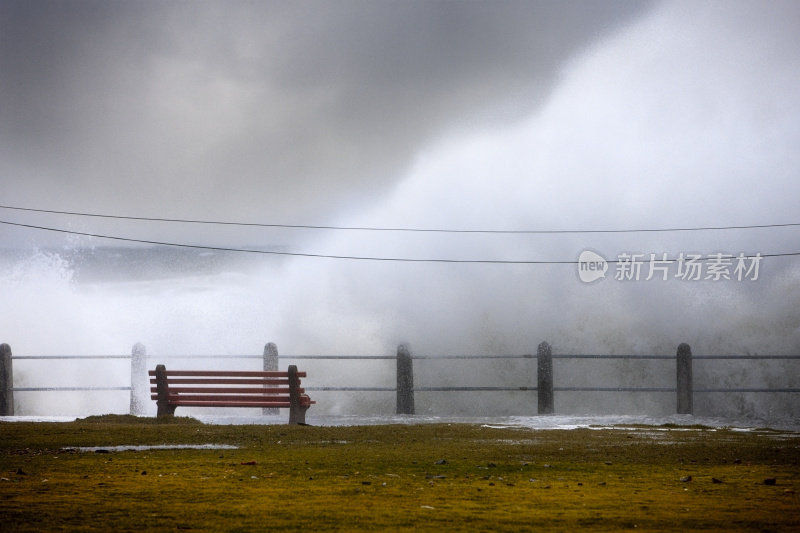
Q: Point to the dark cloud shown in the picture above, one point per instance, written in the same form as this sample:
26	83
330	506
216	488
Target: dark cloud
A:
289	111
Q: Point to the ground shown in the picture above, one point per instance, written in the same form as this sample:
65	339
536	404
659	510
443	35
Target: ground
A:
87	476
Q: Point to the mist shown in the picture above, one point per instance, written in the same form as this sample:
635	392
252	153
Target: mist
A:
671	115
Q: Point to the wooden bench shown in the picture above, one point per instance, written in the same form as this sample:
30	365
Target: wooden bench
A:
222	388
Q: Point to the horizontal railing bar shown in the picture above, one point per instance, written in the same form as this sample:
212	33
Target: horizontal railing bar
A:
672	357
418	389
338	357
473	357
473	389
443	389
555	356
350	389
15	357
589	356
178	356
152	357
613	389
747	390
67	389
748	357
660	389
417	357
523	389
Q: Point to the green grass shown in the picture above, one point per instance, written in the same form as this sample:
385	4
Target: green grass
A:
396	477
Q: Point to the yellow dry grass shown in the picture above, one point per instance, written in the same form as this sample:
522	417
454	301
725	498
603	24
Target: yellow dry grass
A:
426	477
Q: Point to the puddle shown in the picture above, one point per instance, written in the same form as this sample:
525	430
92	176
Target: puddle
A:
142	448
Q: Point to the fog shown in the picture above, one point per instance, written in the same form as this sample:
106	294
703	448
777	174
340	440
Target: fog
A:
640	116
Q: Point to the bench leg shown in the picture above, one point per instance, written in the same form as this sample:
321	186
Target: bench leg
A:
297	414
162	392
165	409
297	411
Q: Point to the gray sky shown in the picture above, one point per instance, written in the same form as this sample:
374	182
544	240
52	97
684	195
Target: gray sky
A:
277	111
633	114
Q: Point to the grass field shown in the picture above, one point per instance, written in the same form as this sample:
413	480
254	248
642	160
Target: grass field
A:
422	477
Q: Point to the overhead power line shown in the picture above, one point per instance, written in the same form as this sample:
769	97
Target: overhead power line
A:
273	252
331	256
396	229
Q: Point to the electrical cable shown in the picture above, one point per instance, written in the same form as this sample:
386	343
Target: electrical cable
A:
350	257
418	230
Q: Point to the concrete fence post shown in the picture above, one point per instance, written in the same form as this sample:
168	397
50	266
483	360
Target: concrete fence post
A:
6	382
405	381
684	382
139	380
270	357
270	365
544	378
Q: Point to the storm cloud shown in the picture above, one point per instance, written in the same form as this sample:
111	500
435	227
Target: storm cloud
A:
287	111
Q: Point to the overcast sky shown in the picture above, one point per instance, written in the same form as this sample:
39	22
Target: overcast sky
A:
315	111
276	111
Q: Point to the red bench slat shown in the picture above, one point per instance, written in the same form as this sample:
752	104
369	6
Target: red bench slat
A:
225	398
222	400
224	381
228	373
192	403
229	390
179	399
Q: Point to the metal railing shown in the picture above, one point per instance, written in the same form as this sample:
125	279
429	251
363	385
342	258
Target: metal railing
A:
405	389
